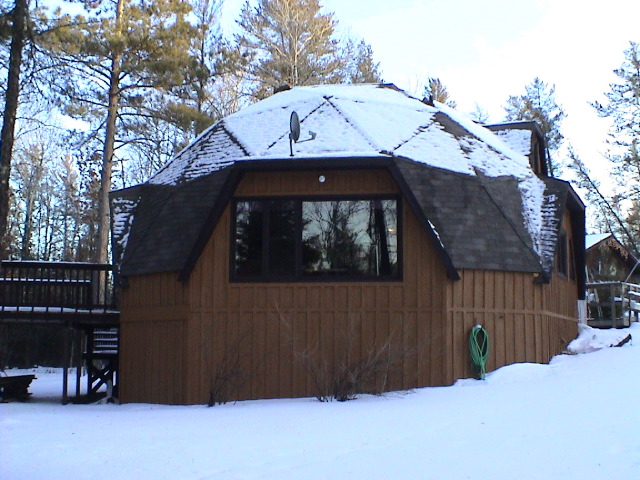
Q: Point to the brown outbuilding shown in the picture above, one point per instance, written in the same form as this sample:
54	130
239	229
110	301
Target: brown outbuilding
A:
260	265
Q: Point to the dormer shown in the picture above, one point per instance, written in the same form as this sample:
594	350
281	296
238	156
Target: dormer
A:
526	138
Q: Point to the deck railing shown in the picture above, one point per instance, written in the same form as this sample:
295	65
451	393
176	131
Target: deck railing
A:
613	304
32	288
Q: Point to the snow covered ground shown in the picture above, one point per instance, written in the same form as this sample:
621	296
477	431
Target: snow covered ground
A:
577	418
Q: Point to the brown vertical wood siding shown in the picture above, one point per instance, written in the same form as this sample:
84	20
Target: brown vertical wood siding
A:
526	321
262	330
153	327
273	325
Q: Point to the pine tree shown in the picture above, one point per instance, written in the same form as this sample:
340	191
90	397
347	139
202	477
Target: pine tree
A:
291	42
287	42
17	19
538	104
623	110
435	91
605	209
359	64
193	106
111	61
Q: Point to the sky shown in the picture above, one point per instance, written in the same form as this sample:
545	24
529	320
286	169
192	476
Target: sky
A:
485	51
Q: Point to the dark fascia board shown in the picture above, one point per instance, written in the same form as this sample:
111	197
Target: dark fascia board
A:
269	165
518	125
574	204
210	224
632	260
297	163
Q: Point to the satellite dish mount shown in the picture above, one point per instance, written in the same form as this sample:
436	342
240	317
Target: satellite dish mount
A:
294	132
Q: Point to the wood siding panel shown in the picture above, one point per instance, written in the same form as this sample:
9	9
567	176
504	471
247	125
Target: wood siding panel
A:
261	340
526	321
146	368
323	322
152	339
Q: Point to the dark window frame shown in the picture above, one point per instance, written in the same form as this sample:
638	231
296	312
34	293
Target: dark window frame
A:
563	254
298	276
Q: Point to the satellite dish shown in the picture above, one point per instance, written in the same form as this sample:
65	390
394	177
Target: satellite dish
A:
294	126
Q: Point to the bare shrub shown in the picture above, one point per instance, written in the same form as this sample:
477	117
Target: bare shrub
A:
226	376
348	374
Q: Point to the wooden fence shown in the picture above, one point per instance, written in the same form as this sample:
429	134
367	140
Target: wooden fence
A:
612	304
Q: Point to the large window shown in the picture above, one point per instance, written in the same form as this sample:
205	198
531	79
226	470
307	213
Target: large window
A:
305	239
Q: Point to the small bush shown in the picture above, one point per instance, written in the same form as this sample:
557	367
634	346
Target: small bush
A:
226	375
348	375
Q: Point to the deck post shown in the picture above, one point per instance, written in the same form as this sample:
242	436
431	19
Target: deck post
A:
613	305
65	368
78	353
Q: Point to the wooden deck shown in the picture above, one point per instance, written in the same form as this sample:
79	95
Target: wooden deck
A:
79	297
613	304
57	292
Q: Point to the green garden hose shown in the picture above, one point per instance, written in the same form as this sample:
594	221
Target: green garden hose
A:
479	348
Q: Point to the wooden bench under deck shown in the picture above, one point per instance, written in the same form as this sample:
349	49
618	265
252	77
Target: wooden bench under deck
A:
16	387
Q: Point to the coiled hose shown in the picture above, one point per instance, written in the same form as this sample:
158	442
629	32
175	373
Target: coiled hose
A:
479	349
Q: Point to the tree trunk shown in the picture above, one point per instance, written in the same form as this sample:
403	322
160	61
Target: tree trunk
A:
102	250
20	11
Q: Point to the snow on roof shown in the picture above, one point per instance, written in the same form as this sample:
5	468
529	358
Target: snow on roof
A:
122	220
518	139
361	121
591	240
349	120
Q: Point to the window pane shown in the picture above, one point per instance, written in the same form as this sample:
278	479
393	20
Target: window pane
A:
248	239
282	238
349	238
562	253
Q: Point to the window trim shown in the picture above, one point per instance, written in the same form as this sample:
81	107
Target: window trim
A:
562	255
298	276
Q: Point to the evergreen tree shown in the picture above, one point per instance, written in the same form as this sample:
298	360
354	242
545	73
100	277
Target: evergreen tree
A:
287	42
435	91
17	18
539	104
193	106
622	108
111	62
291	42
359	65
606	209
